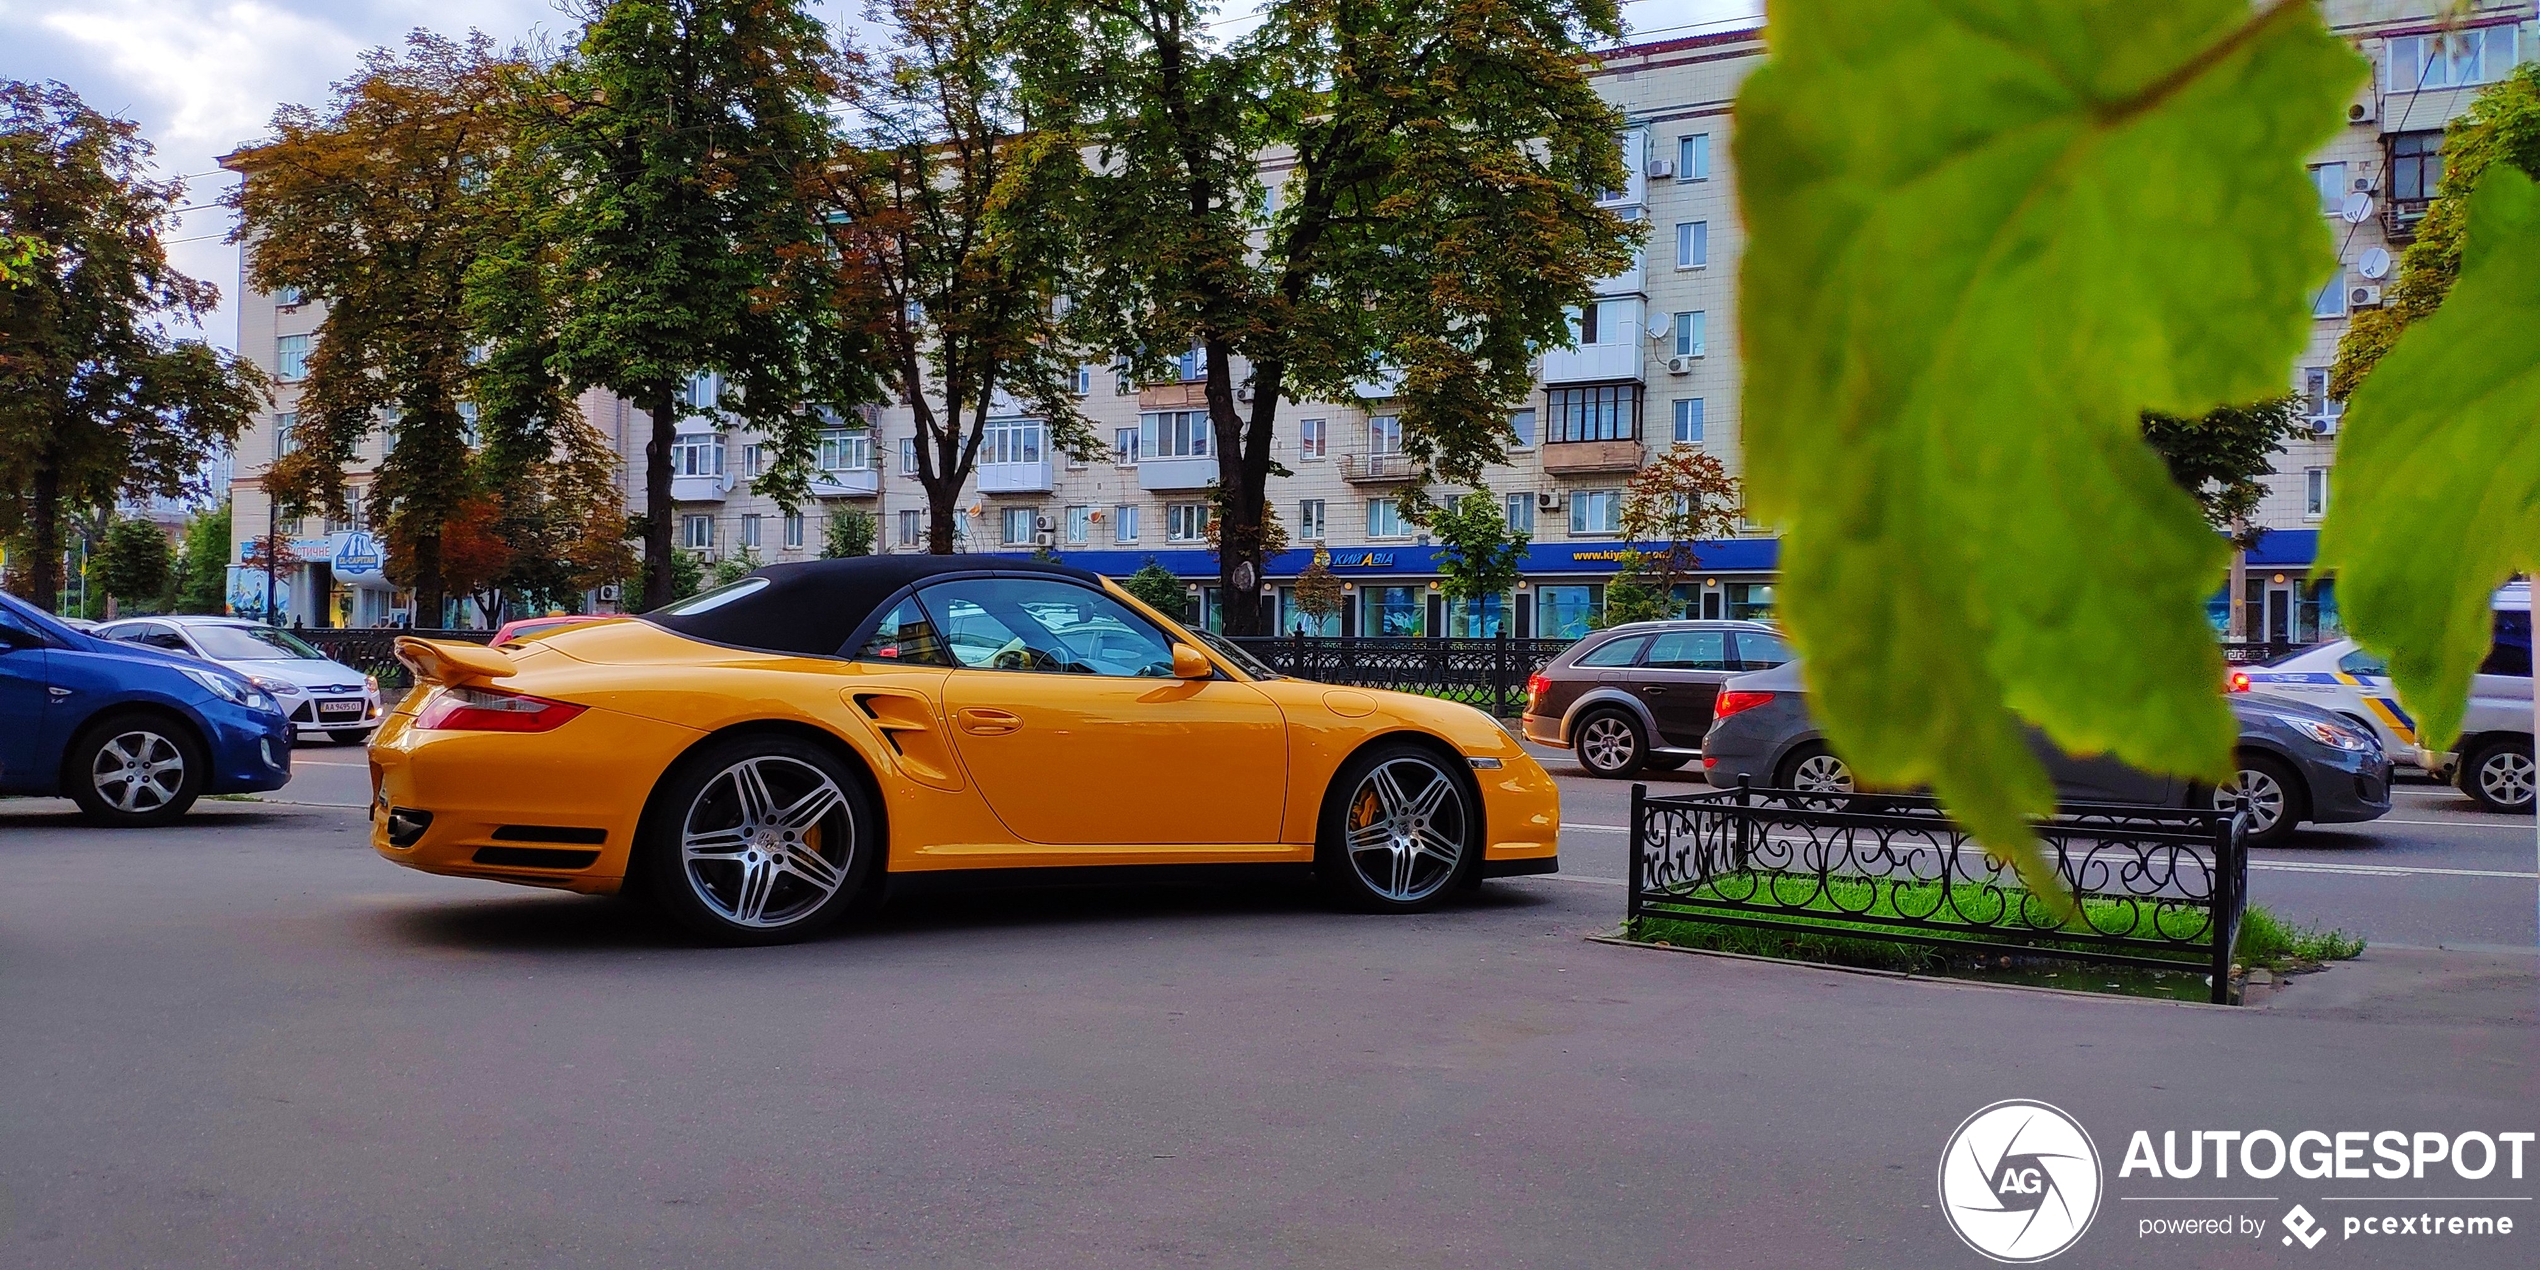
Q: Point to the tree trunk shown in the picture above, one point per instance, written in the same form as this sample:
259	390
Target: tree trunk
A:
939	519
1243	479
658	509
44	531
432	590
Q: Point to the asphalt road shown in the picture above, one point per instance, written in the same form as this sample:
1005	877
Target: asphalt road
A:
248	1041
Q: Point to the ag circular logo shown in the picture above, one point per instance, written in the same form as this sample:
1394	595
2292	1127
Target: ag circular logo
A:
2020	1181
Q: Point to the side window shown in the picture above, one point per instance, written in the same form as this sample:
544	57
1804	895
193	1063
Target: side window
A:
905	637
1689	650
1758	651
19	631
1040	625
162	637
2360	662
2511	653
1621	652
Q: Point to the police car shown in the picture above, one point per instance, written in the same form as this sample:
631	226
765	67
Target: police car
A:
2342	678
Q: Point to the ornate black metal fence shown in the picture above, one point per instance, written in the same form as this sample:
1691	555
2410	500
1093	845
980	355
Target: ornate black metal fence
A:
374	650
1488	673
2156	887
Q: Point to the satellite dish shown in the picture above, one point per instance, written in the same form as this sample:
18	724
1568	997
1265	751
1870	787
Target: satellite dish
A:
2358	208
2374	263
1660	327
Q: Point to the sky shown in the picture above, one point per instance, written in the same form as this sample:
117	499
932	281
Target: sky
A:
203	76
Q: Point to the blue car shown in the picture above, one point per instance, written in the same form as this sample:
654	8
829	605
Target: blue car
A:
132	734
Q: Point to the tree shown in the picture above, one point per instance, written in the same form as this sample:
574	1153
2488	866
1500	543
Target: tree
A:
733	568
564	519
1677	502
672	238
947	203
2219	457
2502	126
1156	586
474	554
201	580
101	401
1479	556
1317	591
849	532
133	563
1438	216
379	206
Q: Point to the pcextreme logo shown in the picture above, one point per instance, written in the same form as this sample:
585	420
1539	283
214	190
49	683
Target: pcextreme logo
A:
2019	1181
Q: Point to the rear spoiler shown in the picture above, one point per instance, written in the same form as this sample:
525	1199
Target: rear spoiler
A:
440	661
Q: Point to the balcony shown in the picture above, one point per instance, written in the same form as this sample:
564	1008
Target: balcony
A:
699	489
1631	281
1571	458
1186	396
1593	363
856	482
1386	383
1375	469
1015	478
1189	473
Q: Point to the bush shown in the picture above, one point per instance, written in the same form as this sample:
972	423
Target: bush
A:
1159	589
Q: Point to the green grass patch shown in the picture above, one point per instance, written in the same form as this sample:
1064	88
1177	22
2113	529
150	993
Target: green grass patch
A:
2270	941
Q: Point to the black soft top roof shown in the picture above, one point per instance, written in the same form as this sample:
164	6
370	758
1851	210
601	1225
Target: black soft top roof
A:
812	607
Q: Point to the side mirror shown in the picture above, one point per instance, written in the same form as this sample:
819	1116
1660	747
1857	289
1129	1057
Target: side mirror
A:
1191	663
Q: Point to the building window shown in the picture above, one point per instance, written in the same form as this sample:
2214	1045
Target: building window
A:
750	530
1185	522
2451	59
1690	333
1080	525
1521	424
793	531
1124	447
1596	511
2330	300
286	433
908	456
1693	157
845	450
1521	513
1010	441
1399	611
2315	491
1693	244
2330	180
696	532
291	357
1192	365
1313	439
1084	381
2322	408
1688	421
289	297
1309	519
2416	166
1384	519
697	454
1124	523
468	434
1121	384
753	459
1608	413
1173	434
1020	523
912	529
1384	434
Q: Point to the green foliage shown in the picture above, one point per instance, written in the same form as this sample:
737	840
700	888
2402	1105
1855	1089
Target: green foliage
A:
2271	941
2501	126
2221	457
1960	292
1317	592
1478	554
733	568
1681	499
1156	586
2438	467
102	402
849	532
201	580
132	564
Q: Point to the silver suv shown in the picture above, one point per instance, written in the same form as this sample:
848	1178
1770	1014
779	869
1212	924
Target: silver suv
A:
2494	753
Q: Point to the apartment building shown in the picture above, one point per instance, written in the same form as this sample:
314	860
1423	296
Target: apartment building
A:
1654	366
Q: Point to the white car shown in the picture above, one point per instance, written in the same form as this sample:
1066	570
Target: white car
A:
2493	762
319	695
2342	678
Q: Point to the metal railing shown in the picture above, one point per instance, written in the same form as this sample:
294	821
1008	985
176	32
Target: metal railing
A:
2158	887
373	650
1489	674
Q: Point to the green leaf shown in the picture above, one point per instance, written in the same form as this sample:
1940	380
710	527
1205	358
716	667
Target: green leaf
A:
2438	467
1986	235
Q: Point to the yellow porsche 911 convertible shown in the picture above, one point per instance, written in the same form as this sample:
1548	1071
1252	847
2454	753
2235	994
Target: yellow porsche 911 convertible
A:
763	757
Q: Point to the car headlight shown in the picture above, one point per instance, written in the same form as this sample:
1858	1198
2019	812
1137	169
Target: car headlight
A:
278	687
2331	735
370	684
231	689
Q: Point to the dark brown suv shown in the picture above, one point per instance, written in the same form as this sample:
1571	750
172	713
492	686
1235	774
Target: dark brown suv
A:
1639	696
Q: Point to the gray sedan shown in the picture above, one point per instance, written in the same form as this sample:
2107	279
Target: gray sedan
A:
2296	763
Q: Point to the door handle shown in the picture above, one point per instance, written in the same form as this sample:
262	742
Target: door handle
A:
983	722
1655	690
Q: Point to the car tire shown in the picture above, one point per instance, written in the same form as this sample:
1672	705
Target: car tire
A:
2280	798
1814	768
1401	830
350	736
1610	743
758	839
118	770
2499	775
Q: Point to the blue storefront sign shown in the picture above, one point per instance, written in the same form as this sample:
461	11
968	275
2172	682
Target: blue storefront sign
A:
1599	559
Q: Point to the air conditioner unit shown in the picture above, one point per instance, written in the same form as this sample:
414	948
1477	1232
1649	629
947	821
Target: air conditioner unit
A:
2363	297
1662	167
1045	538
1550	500
1680	365
2361	112
1243	392
2323	425
1044	524
611	593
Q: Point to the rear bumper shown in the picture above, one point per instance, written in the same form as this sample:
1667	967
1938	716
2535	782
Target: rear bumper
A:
1542	729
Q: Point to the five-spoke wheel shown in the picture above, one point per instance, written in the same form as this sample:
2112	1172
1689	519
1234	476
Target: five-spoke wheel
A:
759	839
135	770
1400	831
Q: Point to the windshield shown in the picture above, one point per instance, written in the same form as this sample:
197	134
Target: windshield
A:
1234	652
252	643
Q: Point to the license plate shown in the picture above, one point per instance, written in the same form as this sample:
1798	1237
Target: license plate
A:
340	709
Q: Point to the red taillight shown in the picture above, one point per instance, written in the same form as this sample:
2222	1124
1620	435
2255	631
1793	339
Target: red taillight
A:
1729	703
1535	686
2240	681
492	710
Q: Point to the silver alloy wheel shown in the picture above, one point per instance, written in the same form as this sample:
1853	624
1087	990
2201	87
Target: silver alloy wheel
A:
1406	829
138	772
1606	743
1822	773
2255	792
2507	778
767	842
